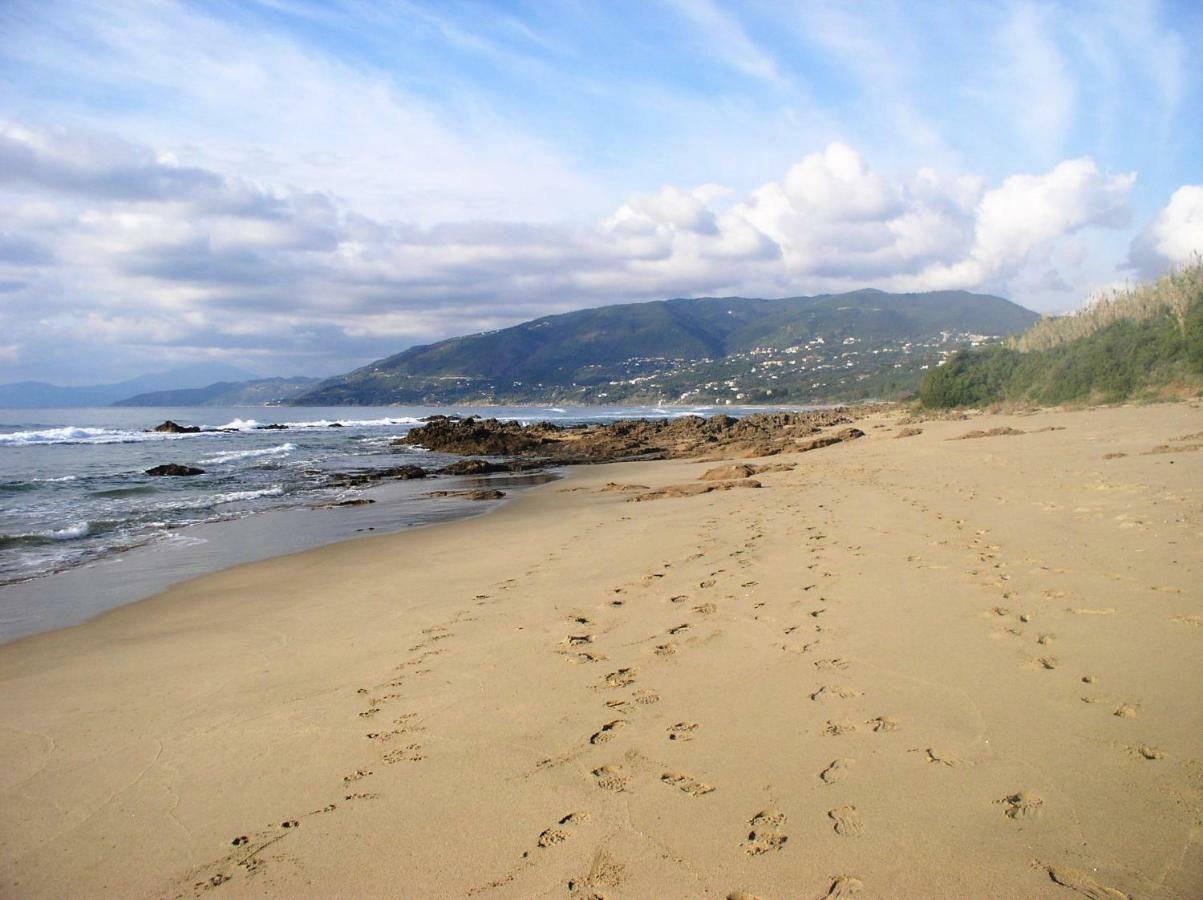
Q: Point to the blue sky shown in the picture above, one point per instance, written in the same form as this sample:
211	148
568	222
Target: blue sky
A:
301	187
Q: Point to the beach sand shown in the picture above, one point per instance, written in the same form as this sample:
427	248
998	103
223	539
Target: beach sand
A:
906	667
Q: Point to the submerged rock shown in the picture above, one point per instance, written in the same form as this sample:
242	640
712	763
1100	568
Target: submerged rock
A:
174	469
470	495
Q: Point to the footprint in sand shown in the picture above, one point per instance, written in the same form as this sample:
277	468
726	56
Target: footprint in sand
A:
844	886
686	783
883	724
1144	751
1079	881
835	692
356	775
668	649
847	821
609	778
835	729
705	609
680	598
708	583
832	665
645	697
411	753
765	834
578	640
561	831
586	657
1023	805
677	629
606	732
620	678
1188	620
944	757
837	771
1127	711
682	731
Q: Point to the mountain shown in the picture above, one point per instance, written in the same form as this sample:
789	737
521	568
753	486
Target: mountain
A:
709	350
259	392
1140	343
28	394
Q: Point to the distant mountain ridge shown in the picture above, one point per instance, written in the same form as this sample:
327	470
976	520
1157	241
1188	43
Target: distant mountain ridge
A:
720	349
30	394
258	392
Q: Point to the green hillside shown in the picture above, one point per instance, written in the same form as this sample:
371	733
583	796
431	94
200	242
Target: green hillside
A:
798	349
1140	343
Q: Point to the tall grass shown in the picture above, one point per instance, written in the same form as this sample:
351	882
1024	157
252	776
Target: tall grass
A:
1173	294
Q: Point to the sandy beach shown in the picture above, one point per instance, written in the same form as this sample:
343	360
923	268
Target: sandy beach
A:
912	666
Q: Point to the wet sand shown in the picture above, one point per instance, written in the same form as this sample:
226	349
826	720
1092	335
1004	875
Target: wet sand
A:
904	667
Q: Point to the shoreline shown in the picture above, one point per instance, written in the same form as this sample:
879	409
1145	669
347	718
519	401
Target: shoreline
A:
434	694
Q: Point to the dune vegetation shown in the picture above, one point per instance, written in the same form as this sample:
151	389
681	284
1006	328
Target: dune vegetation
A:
1143	342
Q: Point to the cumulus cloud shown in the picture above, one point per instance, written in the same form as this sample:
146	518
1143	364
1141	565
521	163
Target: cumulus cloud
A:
1018	223
138	253
1174	236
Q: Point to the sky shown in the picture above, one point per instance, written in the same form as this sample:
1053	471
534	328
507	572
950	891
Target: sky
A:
301	187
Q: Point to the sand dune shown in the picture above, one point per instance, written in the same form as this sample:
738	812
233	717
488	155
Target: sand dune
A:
920	668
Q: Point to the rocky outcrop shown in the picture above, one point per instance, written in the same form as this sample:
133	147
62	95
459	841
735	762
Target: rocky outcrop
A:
627	439
908	432
743	470
826	440
726	473
174	469
693	489
170	427
490	467
371	476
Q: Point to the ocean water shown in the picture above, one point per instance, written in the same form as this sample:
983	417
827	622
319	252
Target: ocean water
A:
83	529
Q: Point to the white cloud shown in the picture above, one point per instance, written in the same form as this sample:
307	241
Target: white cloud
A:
1018	223
214	264
1174	236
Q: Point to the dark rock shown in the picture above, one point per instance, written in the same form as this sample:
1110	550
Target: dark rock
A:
406	473
170	427
470	495
174	469
273	427
335	425
473	467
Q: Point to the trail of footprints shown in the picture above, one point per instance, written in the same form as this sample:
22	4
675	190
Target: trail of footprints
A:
248	853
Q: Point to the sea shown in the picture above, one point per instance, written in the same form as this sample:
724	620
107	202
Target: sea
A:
83	529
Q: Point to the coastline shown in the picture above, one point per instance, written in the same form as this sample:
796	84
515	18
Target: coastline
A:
409	699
